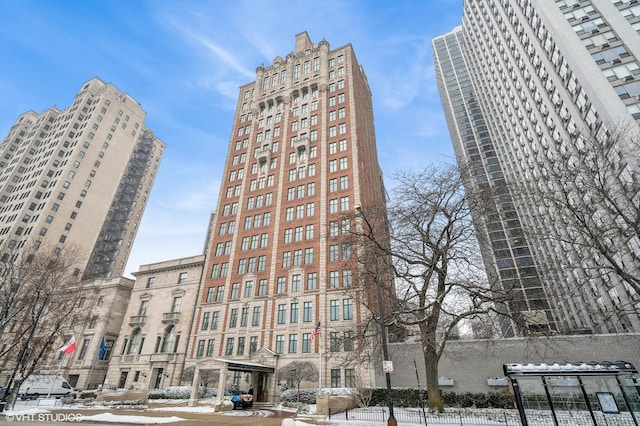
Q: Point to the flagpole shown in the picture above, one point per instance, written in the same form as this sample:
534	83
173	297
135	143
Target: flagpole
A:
320	369
53	382
99	354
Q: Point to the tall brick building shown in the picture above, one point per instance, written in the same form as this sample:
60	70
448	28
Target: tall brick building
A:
302	155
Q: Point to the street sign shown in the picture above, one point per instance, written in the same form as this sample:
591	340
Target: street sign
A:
387	367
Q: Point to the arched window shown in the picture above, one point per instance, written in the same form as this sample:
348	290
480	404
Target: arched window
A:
135	344
169	340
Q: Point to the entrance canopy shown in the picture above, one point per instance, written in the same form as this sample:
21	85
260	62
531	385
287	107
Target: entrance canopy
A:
246	367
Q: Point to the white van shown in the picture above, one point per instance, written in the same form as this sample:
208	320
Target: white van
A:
38	385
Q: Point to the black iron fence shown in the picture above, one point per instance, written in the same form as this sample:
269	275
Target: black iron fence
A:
416	416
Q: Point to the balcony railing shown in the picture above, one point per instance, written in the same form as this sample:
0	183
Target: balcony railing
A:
162	357
171	317
137	320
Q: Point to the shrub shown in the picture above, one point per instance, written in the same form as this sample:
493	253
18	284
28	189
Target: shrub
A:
307	396
408	397
180	392
88	395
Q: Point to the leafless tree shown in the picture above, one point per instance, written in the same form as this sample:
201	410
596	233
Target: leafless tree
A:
431	256
297	372
39	291
592	190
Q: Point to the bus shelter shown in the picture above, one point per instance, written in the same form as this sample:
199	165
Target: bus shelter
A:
572	394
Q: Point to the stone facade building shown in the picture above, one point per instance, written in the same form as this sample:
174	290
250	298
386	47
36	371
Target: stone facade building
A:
79	178
151	349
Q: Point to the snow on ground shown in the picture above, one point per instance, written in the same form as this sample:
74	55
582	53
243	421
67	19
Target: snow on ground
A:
24	411
114	418
199	409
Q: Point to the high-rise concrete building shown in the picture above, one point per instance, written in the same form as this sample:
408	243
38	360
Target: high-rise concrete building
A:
302	155
80	176
524	84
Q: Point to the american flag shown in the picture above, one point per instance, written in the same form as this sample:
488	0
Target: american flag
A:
316	332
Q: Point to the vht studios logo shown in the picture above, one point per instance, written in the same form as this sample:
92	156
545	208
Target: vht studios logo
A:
43	417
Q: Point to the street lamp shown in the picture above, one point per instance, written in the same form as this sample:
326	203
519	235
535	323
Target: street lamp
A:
385	352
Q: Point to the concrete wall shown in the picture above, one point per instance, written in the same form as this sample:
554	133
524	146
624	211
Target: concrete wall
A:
471	362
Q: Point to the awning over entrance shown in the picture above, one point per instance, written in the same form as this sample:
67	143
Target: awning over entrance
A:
247	367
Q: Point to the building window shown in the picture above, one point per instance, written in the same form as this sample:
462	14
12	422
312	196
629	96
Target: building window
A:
220	294
215	318
84	348
334	310
240	350
170	340
349	377
349	341
256	316
205	320
282	314
281	285
233	319
235	291
306	343
229	348
347	309
135	344
334	254
210	346
182	278
307	312
262	287
334	341
253	344
293	314
312	280
346	278
248	289
244	317
279	344
293	343
200	349
335	378
175	306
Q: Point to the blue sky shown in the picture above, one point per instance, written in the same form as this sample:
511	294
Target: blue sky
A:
184	61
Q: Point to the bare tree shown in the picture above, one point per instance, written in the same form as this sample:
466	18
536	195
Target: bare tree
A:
40	291
298	371
592	190
206	376
432	257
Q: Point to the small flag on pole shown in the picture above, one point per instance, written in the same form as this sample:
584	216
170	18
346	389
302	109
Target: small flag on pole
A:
102	349
70	346
316	332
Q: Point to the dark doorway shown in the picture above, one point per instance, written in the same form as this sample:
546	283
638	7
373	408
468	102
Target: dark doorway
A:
157	377
261	388
73	380
123	379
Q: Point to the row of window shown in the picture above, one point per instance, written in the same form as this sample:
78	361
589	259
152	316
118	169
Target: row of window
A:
237	346
300	69
295	257
182	278
337	279
300	191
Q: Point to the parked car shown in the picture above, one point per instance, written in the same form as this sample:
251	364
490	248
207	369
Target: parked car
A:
247	400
